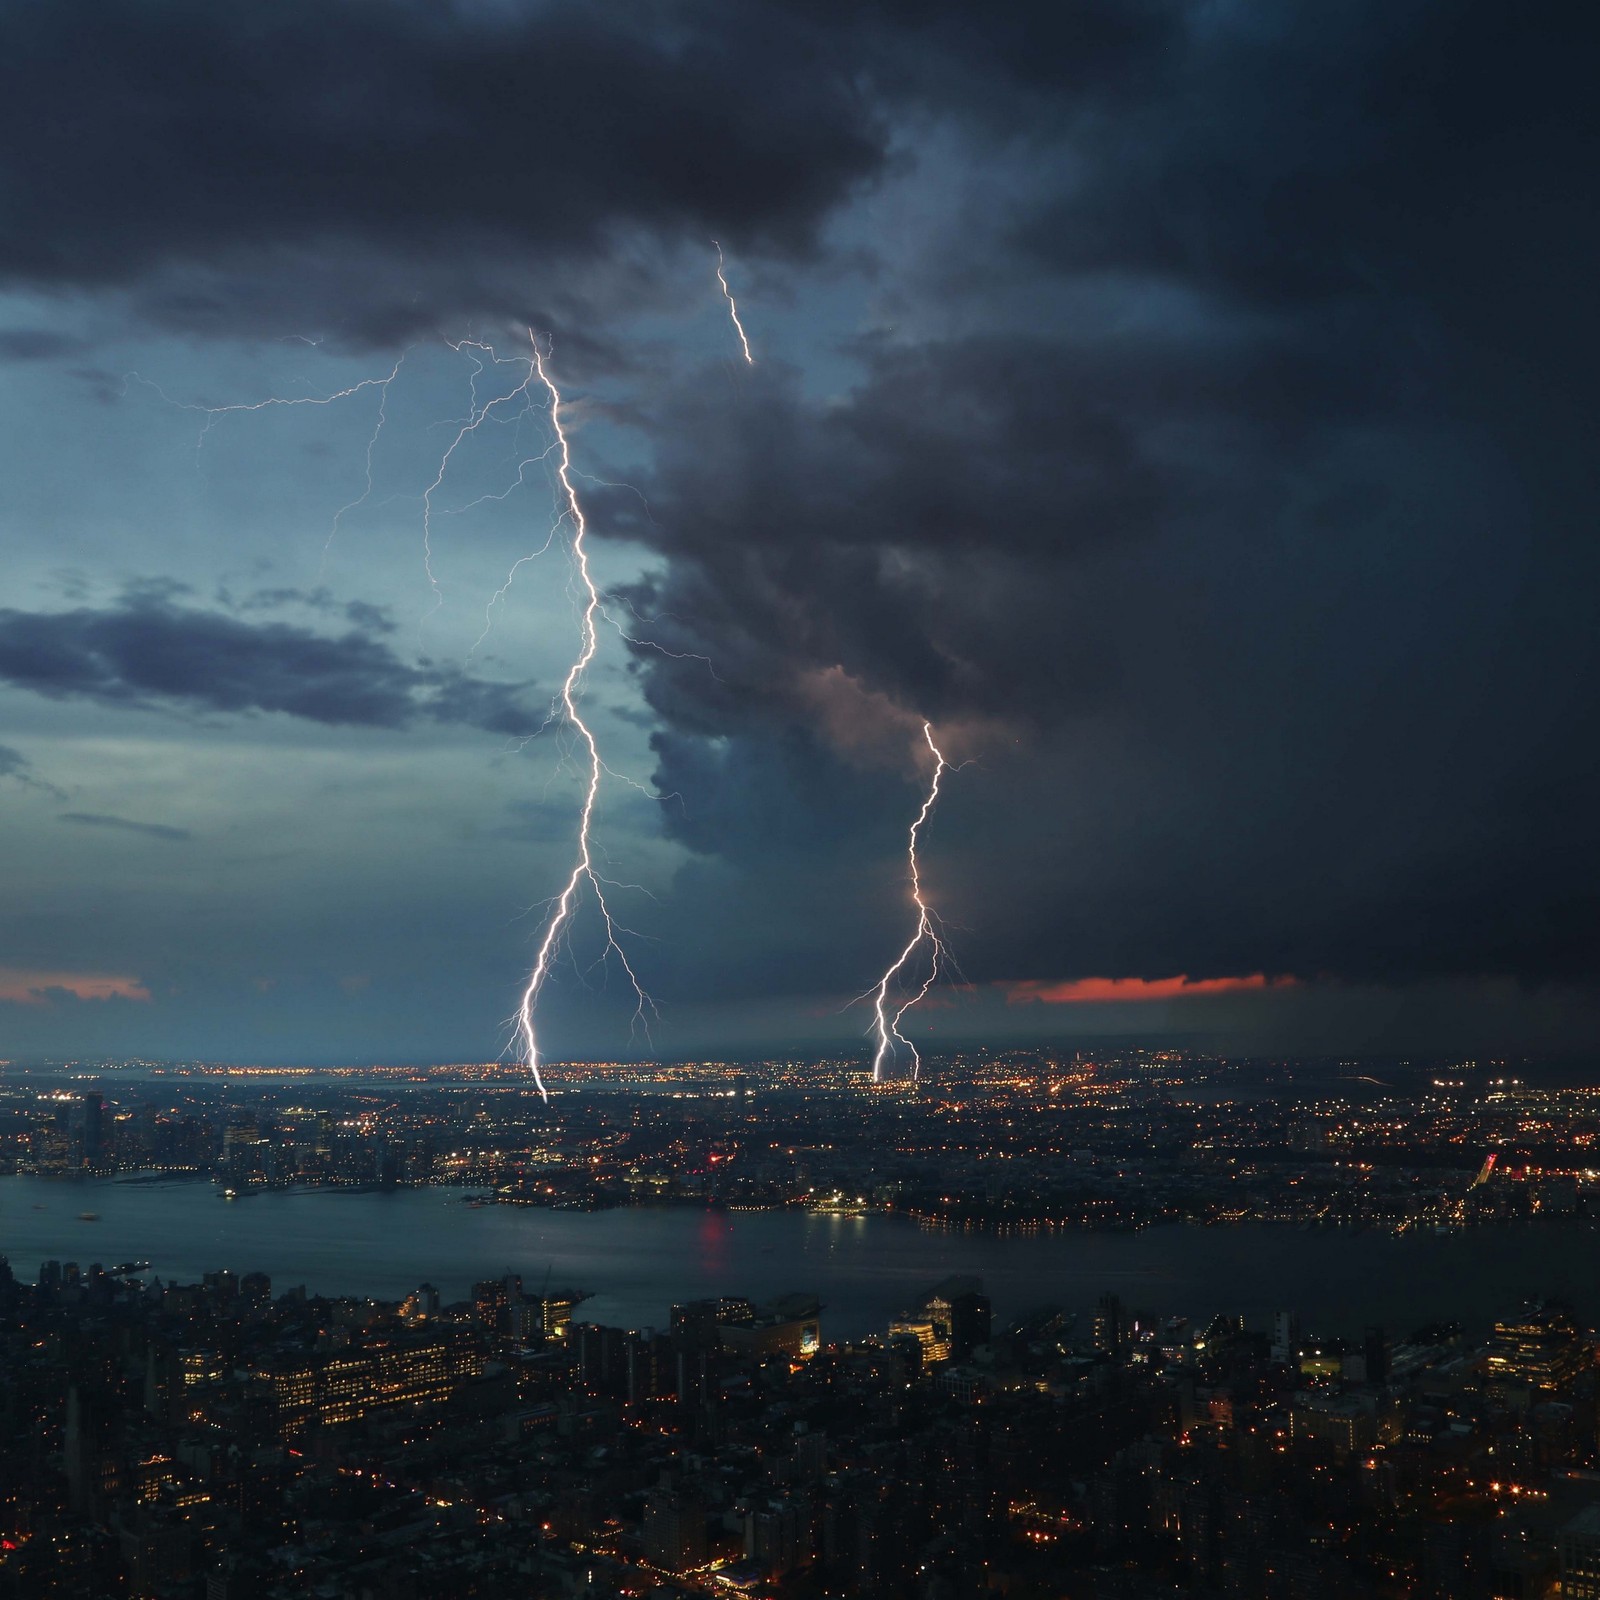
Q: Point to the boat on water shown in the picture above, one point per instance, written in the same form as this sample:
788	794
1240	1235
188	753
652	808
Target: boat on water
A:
128	1267
88	1216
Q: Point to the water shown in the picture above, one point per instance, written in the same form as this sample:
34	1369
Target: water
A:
637	1262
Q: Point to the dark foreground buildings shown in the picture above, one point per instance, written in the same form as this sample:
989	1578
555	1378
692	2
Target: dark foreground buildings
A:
215	1441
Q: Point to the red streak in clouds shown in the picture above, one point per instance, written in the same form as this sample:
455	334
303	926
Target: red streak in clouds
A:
1091	990
24	987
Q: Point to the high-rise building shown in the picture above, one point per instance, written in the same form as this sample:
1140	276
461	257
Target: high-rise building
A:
1375	1347
778	1535
1110	1330
674	1530
1285	1337
491	1302
93	1128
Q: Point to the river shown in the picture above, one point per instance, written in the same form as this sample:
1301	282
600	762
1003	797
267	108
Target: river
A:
637	1262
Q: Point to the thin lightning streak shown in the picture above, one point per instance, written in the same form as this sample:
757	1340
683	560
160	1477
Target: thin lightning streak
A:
211	413
372	444
566	902
521	561
886	1022
476	414
733	309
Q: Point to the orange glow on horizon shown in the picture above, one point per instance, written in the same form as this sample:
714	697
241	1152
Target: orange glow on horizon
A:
1090	991
25	987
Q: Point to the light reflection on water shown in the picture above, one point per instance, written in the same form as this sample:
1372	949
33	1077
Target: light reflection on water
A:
638	1262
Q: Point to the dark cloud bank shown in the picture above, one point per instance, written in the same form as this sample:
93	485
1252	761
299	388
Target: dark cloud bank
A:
180	146
1285	569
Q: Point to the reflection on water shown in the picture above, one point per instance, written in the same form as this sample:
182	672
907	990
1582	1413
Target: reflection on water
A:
637	1262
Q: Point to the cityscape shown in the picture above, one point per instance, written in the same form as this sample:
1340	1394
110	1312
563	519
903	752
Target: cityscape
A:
249	1439
1006	1141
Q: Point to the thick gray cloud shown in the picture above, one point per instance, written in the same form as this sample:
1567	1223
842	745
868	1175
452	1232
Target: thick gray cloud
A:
148	651
179	134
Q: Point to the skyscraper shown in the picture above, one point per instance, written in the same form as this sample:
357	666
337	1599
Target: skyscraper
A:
93	1128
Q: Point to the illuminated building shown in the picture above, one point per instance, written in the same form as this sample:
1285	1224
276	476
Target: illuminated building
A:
717	1312
492	1302
420	1304
555	1312
790	1325
1541	1350
933	1337
1110	1330
1580	1556
1346	1424
950	1322
352	1383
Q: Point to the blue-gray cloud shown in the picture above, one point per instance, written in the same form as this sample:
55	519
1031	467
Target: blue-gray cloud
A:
147	651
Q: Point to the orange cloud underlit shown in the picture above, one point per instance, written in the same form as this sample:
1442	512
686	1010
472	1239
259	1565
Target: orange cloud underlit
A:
1088	990
24	987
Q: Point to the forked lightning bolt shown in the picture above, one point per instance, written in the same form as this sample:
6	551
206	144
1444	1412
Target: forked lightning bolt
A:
733	309
569	513
886	1023
564	905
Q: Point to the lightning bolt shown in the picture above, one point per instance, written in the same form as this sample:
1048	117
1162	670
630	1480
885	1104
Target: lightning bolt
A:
733	309
886	1016
565	904
569	513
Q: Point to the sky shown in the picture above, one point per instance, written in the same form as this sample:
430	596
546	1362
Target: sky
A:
1188	407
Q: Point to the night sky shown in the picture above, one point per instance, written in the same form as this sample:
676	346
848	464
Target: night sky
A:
1190	407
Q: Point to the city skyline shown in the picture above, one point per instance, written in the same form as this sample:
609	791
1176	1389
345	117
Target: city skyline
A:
1186	410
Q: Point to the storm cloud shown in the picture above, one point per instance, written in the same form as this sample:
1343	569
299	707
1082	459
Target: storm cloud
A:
1277	566
1190	408
174	136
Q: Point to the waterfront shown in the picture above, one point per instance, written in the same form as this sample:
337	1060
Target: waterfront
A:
637	1261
